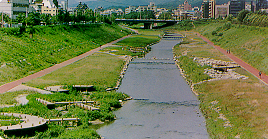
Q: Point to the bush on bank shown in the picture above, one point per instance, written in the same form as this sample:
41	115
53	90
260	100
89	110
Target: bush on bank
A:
193	71
106	101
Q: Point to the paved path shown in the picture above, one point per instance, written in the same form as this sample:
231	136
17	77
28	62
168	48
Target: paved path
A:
29	121
9	86
24	87
246	66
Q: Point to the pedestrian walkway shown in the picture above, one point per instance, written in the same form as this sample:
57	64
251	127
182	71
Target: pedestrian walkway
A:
246	66
29	121
24	87
9	86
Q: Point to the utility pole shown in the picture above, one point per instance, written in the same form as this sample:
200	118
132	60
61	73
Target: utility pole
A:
2	19
26	12
67	6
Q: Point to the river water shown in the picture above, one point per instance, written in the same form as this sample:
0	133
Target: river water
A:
164	105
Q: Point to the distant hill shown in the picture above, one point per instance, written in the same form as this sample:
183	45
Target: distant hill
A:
111	3
173	4
170	4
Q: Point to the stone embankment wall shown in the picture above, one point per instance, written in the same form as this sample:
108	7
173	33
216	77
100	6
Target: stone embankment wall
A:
123	71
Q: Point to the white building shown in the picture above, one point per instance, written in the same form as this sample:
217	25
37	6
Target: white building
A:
14	7
151	7
130	9
49	8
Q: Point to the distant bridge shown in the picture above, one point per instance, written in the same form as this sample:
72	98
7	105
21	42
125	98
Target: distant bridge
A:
148	23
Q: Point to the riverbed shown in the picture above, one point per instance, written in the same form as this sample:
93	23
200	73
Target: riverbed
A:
163	106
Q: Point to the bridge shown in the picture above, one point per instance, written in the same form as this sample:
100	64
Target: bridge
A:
148	23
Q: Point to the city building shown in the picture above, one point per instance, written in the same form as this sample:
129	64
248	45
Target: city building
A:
195	8
14	7
185	6
261	4
222	10
49	8
159	11
130	9
151	7
111	11
141	8
250	6
63	5
236	6
208	8
50	11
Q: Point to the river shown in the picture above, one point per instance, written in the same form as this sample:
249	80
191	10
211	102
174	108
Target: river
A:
164	105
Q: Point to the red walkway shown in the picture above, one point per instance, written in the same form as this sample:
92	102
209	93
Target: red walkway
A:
252	70
13	84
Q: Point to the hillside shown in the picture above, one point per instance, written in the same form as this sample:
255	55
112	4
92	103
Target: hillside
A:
22	55
170	4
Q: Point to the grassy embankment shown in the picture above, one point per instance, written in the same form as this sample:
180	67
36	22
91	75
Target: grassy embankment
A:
102	71
232	108
247	42
137	45
22	55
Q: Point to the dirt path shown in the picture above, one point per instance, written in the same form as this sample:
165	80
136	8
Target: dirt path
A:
9	86
246	66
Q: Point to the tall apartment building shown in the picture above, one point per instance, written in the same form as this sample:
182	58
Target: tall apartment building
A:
236	6
14	7
208	8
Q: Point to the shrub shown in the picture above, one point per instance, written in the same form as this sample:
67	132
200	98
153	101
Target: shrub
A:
194	72
214	32
220	34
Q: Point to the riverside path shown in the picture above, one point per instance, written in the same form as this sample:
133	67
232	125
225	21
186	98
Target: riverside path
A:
246	66
6	87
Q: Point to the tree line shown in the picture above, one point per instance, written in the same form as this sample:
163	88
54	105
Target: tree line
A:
259	18
62	17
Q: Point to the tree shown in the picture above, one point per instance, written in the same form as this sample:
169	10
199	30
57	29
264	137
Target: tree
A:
21	18
56	3
242	14
230	17
165	15
144	15
45	18
33	19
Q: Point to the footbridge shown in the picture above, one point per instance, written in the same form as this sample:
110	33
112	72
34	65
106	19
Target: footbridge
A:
148	23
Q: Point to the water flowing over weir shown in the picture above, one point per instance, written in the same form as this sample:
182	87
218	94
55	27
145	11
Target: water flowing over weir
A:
164	105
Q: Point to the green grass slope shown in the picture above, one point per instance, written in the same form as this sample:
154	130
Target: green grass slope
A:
21	55
247	42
